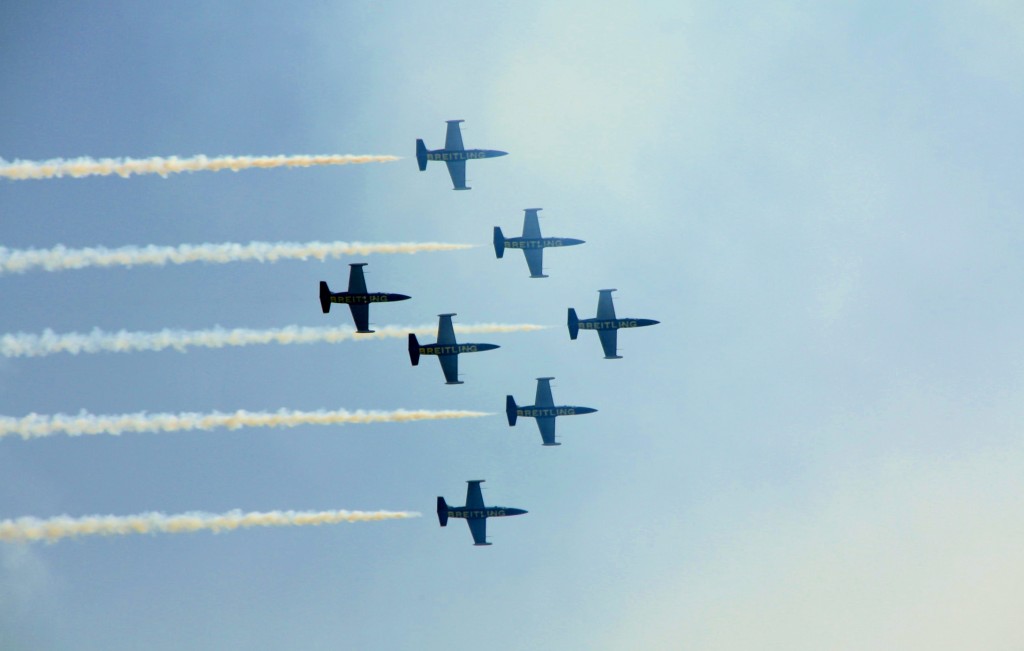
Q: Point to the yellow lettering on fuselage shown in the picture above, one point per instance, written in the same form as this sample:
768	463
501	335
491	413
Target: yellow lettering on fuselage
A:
532	244
544	412
447	156
448	350
360	298
476	513
607	325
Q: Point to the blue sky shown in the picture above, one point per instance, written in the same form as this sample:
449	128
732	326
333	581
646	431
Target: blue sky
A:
818	447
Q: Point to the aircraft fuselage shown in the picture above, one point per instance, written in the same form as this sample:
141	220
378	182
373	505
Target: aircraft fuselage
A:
456	349
539	243
614	324
489	512
365	299
446	155
532	411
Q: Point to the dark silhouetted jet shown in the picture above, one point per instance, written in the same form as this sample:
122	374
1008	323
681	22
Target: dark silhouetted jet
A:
454	155
446	349
357	298
605	323
545	411
474	513
532	243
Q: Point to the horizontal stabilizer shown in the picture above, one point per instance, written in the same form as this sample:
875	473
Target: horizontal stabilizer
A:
510	410
574	324
442	511
499	242
325	297
414	349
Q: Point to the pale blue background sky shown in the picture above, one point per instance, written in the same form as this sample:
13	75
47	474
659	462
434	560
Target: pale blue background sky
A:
819	447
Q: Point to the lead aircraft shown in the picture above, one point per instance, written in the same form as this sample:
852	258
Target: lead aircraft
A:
454	155
532	243
446	348
606	325
474	512
545	411
357	298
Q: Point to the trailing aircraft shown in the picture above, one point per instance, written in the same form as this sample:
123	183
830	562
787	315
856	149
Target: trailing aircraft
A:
532	243
606	325
357	298
545	410
446	349
454	155
474	512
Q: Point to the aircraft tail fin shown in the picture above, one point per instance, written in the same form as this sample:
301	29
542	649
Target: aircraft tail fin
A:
414	349
421	154
574	324
510	410
442	511
499	242
325	297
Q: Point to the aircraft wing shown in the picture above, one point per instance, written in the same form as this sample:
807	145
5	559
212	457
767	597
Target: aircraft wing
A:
474	497
531	226
478	527
356	282
546	425
445	330
453	139
544	398
450	366
457	170
605	307
609	339
535	260
361	315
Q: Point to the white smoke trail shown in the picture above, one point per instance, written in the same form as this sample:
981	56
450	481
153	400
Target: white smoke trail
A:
22	344
60	258
54	529
125	167
40	425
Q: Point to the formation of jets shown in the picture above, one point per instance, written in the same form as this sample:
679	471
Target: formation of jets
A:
447	349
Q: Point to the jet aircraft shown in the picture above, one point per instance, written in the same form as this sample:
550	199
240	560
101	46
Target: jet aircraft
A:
545	411
357	298
446	349
605	323
532	243
474	512
454	155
